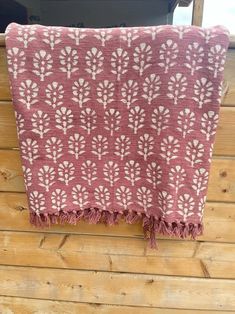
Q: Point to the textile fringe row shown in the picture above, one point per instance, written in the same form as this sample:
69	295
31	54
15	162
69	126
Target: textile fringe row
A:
151	225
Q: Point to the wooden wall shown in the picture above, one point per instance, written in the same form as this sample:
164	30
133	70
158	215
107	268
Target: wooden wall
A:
97	269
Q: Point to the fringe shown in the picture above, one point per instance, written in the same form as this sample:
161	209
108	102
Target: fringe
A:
151	225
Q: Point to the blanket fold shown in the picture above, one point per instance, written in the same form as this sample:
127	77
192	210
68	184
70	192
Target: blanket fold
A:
118	123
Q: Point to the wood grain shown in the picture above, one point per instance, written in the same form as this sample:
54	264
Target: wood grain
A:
219	222
197	15
224	143
9	305
117	254
118	288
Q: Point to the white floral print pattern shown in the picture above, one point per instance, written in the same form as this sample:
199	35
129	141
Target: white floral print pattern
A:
116	119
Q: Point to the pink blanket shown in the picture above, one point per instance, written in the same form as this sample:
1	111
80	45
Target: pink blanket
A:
117	123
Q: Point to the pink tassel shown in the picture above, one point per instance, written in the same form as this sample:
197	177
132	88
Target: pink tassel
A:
132	217
151	225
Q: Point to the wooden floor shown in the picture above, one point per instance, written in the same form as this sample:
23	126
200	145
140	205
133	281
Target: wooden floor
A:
96	269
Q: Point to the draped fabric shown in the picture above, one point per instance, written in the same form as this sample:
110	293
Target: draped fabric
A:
118	123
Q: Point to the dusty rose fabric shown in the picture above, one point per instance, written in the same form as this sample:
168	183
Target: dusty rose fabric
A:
117	123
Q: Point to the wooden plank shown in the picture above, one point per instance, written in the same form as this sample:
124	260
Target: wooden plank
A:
10	305
11	175
219	221
8	138
224	143
229	99
222	180
225	135
221	184
197	15
118	288
5	93
117	254
217	258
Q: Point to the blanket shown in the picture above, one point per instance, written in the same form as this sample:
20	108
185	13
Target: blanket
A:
117	123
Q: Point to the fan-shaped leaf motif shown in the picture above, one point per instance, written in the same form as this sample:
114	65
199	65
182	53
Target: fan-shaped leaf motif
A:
160	118
151	87
16	61
88	118
186	205
29	148
46	177
27	173
169	148
186	120
168	53
177	176
40	123
19	123
89	171
28	90
200	180
202	91
26	34
181	30
37	202
154	174
144	197
122	146
102	196
119	62
153	31
99	146
136	118
145	145
76	34
105	92
132	171
123	196
81	91
194	152
94	61
64	119
69	60
177	87
66	172
42	62
80	196
52	36
103	35
58	199
165	202
111	172
208	34
54	94
76	144
209	122
194	56
54	148
129	35
142	57
112	119
201	206
216	59
129	92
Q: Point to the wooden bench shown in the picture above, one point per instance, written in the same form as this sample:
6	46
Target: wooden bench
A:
94	264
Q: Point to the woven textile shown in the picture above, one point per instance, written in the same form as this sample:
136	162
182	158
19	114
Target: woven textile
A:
117	123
